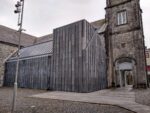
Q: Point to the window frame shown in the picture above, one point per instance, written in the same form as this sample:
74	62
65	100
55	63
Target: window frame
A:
121	20
147	55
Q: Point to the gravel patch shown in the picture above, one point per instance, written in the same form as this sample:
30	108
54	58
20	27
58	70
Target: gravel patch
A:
142	96
36	105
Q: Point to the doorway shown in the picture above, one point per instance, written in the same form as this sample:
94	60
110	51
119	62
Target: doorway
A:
125	78
124	72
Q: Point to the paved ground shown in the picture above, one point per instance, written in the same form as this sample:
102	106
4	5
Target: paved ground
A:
25	104
121	97
143	96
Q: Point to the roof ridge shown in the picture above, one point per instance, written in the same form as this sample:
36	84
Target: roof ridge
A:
10	36
12	29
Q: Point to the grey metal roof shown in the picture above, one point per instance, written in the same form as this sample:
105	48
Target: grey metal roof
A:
35	50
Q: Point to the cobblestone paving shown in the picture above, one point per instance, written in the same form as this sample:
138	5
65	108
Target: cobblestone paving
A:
36	105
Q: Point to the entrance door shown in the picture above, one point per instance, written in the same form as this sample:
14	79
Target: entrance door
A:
126	78
125	74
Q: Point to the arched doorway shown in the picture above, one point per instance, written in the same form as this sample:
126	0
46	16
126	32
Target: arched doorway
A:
124	72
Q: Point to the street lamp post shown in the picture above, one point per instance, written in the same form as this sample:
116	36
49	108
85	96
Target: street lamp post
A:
19	10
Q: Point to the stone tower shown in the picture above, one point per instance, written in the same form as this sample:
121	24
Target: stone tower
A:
125	40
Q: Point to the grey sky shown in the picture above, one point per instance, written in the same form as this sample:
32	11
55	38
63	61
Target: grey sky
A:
42	16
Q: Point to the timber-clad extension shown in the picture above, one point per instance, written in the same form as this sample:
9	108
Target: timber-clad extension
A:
35	67
78	61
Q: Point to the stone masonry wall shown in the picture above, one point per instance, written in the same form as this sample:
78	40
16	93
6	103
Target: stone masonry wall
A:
133	19
126	40
5	51
130	45
123	45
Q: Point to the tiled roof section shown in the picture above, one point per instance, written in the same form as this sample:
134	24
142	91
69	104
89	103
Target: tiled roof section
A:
45	38
9	35
100	25
35	50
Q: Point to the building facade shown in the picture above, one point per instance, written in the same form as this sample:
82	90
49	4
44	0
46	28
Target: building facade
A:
126	49
74	61
83	52
79	59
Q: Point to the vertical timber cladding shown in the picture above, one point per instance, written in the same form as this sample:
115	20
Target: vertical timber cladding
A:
33	73
78	61
94	60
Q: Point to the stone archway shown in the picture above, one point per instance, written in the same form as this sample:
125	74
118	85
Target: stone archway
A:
125	68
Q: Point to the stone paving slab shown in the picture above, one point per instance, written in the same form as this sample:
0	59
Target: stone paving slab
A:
122	98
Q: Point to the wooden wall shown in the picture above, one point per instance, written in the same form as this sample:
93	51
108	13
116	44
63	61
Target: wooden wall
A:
78	61
33	73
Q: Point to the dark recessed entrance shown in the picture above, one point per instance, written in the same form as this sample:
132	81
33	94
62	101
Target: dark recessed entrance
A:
124	72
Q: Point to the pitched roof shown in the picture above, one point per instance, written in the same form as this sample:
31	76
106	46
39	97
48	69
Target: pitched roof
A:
45	38
35	50
9	35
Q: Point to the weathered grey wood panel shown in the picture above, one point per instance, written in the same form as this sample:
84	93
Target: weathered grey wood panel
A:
33	73
79	59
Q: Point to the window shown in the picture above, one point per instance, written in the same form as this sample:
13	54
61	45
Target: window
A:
147	55
122	17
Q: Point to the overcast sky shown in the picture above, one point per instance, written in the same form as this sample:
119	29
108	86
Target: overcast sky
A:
42	16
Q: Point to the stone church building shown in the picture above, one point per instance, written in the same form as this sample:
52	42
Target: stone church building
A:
126	50
85	57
